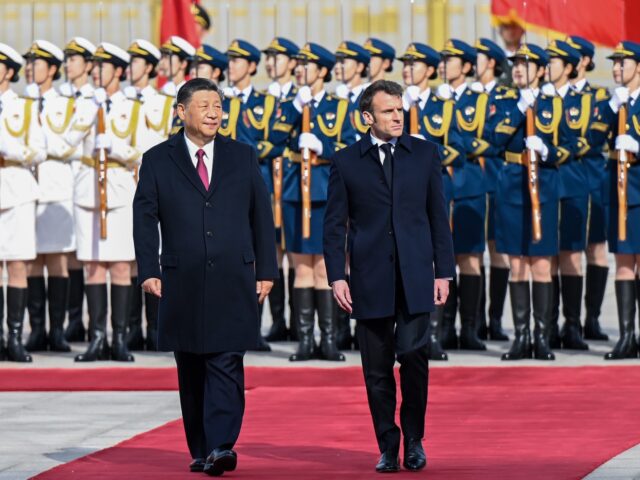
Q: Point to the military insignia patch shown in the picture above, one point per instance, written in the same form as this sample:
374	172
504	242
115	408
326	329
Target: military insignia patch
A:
437	119
225	116
547	114
258	110
574	112
469	110
492	109
330	116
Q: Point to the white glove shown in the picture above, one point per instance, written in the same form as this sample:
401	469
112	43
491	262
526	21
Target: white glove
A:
275	90
620	97
418	135
536	144
342	91
411	96
100	96
627	143
32	91
103	141
548	90
131	92
229	92
303	97
170	89
310	141
527	99
66	90
477	87
445	92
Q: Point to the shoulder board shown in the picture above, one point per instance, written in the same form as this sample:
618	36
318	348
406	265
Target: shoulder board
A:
328	96
259	93
509	94
602	94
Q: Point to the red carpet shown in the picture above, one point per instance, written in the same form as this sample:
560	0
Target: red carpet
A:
483	423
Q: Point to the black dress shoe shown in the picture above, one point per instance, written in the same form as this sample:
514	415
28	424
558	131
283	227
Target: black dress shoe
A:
197	465
388	463
220	461
414	456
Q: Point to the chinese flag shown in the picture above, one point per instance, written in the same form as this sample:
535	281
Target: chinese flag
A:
603	22
177	19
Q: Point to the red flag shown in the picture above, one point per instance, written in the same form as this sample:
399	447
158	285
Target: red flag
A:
603	22
177	19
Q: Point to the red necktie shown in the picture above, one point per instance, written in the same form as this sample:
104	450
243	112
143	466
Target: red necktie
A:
202	169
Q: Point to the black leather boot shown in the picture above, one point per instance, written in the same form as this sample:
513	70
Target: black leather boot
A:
151	304
36	305
98	348
498	283
75	331
327	321
571	333
469	290
541	301
626	347
483	331
16	306
434	350
262	345
3	348
448	337
278	331
554	330
120	308
57	288
293	327
596	284
305	318
521	307
135	339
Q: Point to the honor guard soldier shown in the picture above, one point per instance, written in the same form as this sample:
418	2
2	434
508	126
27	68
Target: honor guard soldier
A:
55	236
574	196
77	64
382	57
432	118
22	146
469	191
536	137
248	114
619	120
489	67
203	21
175	55
280	64
156	112
320	126
595	164
110	126
351	69
209	63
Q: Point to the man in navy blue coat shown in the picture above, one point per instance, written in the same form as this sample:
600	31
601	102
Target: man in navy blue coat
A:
386	204
207	194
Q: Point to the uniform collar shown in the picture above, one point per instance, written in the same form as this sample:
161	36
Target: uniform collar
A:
246	93
319	96
634	95
147	92
563	90
8	95
490	86
356	91
460	90
580	85
424	96
286	89
49	94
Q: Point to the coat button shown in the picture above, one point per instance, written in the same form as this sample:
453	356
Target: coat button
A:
208	204
210	263
390	232
209	233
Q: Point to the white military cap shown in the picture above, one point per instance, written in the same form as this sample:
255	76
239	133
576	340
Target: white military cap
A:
178	46
110	53
80	46
12	59
45	50
145	49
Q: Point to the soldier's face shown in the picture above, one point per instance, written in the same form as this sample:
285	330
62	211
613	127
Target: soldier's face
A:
138	68
39	71
387	117
482	64
419	71
239	68
76	66
519	73
279	65
346	70
375	66
557	70
204	70
312	74
202	115
453	70
4	73
102	77
624	70
169	65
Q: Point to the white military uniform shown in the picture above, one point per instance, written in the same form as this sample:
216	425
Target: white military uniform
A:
55	232
22	145
157	110
125	126
77	95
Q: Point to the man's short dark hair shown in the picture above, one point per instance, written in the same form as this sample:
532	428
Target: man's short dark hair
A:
386	86
196	85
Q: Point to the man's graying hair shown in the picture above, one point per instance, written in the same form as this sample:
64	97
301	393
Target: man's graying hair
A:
196	85
386	86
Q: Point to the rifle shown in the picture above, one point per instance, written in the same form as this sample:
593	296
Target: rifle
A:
276	166
308	157
623	165
101	160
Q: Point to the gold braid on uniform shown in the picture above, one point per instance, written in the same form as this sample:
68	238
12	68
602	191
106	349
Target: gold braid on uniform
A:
24	131
232	119
357	122
343	106
67	118
552	128
269	105
131	129
476	124
164	121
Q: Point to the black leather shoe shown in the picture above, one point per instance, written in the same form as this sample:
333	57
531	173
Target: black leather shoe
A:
388	463
414	456
220	461
197	465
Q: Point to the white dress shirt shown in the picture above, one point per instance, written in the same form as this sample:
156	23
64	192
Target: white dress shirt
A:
424	97
490	86
457	92
580	84
208	154
245	93
378	143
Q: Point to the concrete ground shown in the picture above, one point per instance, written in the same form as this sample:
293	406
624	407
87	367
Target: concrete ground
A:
41	430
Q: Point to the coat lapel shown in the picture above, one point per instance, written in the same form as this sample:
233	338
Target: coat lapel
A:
219	153
180	155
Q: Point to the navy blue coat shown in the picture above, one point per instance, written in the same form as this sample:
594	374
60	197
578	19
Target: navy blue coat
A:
215	244
406	224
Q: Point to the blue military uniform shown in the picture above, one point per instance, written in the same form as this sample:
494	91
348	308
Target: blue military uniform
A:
437	122
359	54
514	226
330	123
378	48
283	46
211	56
